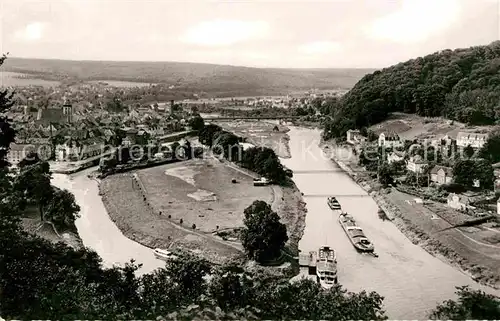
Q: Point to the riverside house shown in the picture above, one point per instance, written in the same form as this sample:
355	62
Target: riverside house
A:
18	152
354	137
416	164
474	140
395	156
441	175
458	202
390	139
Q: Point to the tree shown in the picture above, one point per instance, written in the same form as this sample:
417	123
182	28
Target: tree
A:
30	159
263	236
188	273
468	151
228	289
471	305
33	183
196	122
304	299
465	172
229	143
7	132
143	138
385	174
491	150
62	209
207	133
369	159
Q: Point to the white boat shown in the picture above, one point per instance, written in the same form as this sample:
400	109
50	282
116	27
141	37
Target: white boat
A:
326	267
261	182
355	233
333	203
163	254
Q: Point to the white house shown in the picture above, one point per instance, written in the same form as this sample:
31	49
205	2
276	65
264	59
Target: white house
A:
442	175
442	141
18	152
498	206
395	157
458	202
390	139
354	137
416	164
475	140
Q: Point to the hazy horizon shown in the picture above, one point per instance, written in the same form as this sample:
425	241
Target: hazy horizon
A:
266	34
188	62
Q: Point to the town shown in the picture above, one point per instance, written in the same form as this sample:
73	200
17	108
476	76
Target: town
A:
270	177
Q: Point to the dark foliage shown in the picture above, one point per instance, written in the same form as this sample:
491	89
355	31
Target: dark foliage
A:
30	159
462	84
196	122
491	150
264	236
471	305
466	171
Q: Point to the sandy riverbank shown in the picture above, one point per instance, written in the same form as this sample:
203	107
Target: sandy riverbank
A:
450	247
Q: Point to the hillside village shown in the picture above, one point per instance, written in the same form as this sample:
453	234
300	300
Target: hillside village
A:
428	163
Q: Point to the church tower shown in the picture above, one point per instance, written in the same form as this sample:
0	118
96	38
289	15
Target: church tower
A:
68	110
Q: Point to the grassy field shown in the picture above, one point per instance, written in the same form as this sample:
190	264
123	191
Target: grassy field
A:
200	192
23	80
223	79
140	222
410	126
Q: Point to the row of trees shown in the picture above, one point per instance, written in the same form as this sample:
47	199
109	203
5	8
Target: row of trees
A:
261	160
462	84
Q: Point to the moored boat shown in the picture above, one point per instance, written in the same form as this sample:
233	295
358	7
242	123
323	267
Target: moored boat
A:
326	267
333	203
355	234
261	181
163	254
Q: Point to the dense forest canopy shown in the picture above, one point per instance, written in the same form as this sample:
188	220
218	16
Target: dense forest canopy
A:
461	84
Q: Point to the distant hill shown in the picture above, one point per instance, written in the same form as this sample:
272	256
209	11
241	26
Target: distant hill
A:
202	77
461	84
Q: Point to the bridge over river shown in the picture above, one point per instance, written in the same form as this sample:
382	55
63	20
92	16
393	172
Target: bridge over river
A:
222	118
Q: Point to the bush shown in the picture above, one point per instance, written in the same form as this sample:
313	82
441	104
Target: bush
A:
453	188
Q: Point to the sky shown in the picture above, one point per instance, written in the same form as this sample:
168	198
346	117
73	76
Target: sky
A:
288	34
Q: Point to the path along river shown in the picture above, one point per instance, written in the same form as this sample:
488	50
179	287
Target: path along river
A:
411	280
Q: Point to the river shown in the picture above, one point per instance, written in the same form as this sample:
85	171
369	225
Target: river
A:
412	281
97	230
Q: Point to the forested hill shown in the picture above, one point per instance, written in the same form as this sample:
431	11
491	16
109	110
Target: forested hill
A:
462	84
